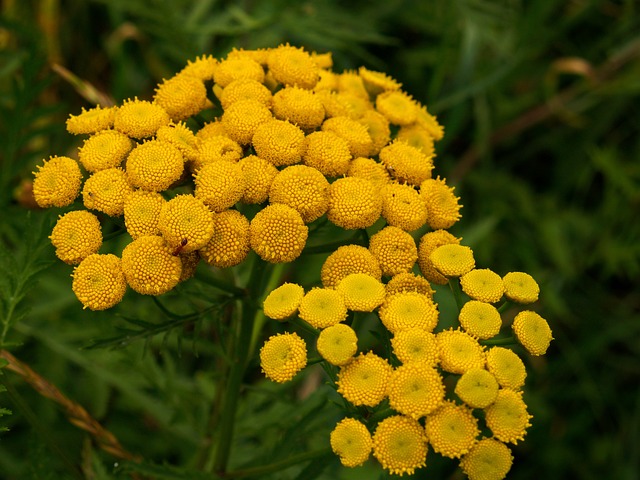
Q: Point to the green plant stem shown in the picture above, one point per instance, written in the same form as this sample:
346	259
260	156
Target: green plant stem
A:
331	247
260	319
510	340
505	306
298	322
454	284
212	280
258	472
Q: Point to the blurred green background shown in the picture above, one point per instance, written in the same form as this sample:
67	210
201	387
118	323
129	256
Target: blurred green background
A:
540	101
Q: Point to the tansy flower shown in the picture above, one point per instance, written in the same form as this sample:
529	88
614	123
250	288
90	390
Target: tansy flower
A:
483	285
323	60
394	249
278	233
237	67
229	244
322	307
293	66
415	390
507	367
180	136
154	165
416	345
202	67
106	191
259	55
328	81
377	82
92	120
337	344
149	265
400	445
346	260
406	164
428	243
430	123
186	223
105	149
397	106
283	302
489	459
459	351
279	142
283	356
408	282
258	175
353	203
452	430
181	96
378	128
351	82
77	235
520	287
299	106
418	137
403	207
327	152
219	185
407	310
364	380
361	292
211	129
443	209
480	319
98	282
245	89
140	118
477	388
141	212
335	104
215	148
242	118
369	169
57	182
453	260
533	332
302	188
358	106
353	132
352	442
507	417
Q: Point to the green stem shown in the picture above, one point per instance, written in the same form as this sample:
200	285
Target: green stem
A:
258	472
380	415
505	306
313	361
298	322
208	278
454	284
331	247
510	340
260	319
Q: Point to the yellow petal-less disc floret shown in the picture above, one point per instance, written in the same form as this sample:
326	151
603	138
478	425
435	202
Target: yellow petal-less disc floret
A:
202	67
92	120
181	96
241	120
335	104
415	390
482	284
520	287
328	153
283	302
279	142
459	351
398	107
489	459
245	89
278	233
400	445
237	67
180	136
452	259
407	164
377	82
337	344
418	137
283	356
428	243
408	282
106	191
416	345
215	148
186	223
322	307
229	244
361	292
302	188
57	182
350	82
353	132
154	165
141	212
369	169
346	260
299	106
442	204
105	149
407	310
149	265
452	430
98	281
258	175
352	442
211	129
508	417
365	380
480	319
293	66
219	185
477	387
76	235
353	203
394	249
507	367
430	123
403	207
533	332
140	118
378	128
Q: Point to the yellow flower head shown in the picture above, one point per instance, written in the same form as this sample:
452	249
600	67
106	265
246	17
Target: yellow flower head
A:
352	442
428	243
336	104
508	417
489	459
403	207
98	282
361	292
533	332
406	164
242	118
77	235
394	249
482	284
477	387
480	319
215	148
293	66
346	260
180	136
186	223
202	67
322	307
299	106
365	380
237	67
430	123
337	344
57	182
278	233
398	107
408	282
378	127
507	367
350	82
353	203
520	287
283	356
229	244
181	96
106	191
416	345
141	212
407	310
258	175
328	81
357	105
415	390
452	430
452	259
302	188
149	265
279	142
323	60
353	132
219	185
283	302
245	89
105	149
140	118
369	169
92	120
211	129
328	153
459	351
400	445
154	165
418	137
442	205
259	55
377	82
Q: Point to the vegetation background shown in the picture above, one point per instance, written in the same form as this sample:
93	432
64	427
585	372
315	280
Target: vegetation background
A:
540	101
